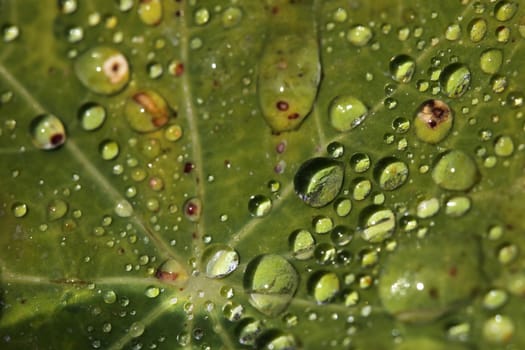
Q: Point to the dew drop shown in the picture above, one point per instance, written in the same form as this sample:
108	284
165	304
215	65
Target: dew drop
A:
152	292
109	149
360	162
47	132
324	286
146	111
335	149
457	206
271	282
302	244
171	271
249	330
359	35
505	10
453	32
498	329
136	329
342	206
346	112
455	80
150	12
498	83
427	208
219	260
259	205
231	17
92	116
274	339
123	208
376	223
490	60
455	170
515	99
173	133
494	299
56	209
341	235
109	297
391	173
67	6
19	209
103	70
477	29
201	16
361	189
10	32
433	121
325	253
402	68
318	181
503	146
322	224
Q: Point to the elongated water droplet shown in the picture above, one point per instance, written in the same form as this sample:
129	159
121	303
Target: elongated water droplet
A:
318	181
359	35
219	260
505	10
324	286
457	206
123	208
19	209
92	116
302	244
477	29
455	80
47	132
271	282
504	146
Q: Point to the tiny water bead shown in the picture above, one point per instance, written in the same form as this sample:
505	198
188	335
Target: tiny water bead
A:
219	260
56	209
391	173
103	70
419	283
150	12
402	68
490	60
318	181
47	132
359	35
109	149
455	170
433	121
146	111
455	80
324	286
92	116
259	205
302	244
346	112
19	209
271	282
376	223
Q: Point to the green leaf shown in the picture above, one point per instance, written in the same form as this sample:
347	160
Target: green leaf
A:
145	202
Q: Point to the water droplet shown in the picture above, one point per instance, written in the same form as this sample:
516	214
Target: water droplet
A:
427	208
360	162
109	297
259	205
455	170
170	271
401	125
376	223
335	149
193	209
324	286
504	146
359	35
92	116
150	12
318	181
123	208
219	260
341	235
173	133
136	329
249	330
477	29
322	224
498	83
453	32
361	189
455	80
10	32
56	209
498	329
274	339
402	68
433	121
432	281
490	60
391	173
103	70
302	244
274	186
271	282
232	311
505	10
346	112
146	111
19	209
231	17
342	206
507	253
458	206
47	132
325	253
494	299
289	77
67	6
201	16
515	99
109	149
152	292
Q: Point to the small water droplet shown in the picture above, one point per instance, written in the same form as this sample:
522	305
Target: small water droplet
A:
201	16
361	188
302	244
150	12
391	173
56	209
47	132
402	68
455	170
249	330
259	205
515	99
342	206
152	292
453	32
376	223
503	146
505	10
271	282
498	329
360	162
458	206
341	235
322	224
318	181
231	17
109	297
427	208
494	299
146	111
92	116
171	271
277	340
103	70
219	260
10	32
498	83
193	209
109	149
324	286
455	80
136	329
477	29
173	133
346	112
335	149
19	209
359	35
490	60
123	208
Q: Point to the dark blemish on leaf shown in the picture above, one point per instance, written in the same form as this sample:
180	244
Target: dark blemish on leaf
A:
282	105
453	271
56	139
433	293
188	167
434	112
293	116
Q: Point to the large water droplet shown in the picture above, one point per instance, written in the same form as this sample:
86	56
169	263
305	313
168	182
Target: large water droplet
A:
318	181
324	286
376	223
346	112
433	121
455	170
47	132
271	282
455	80
402	68
391	173
103	70
219	260
146	111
